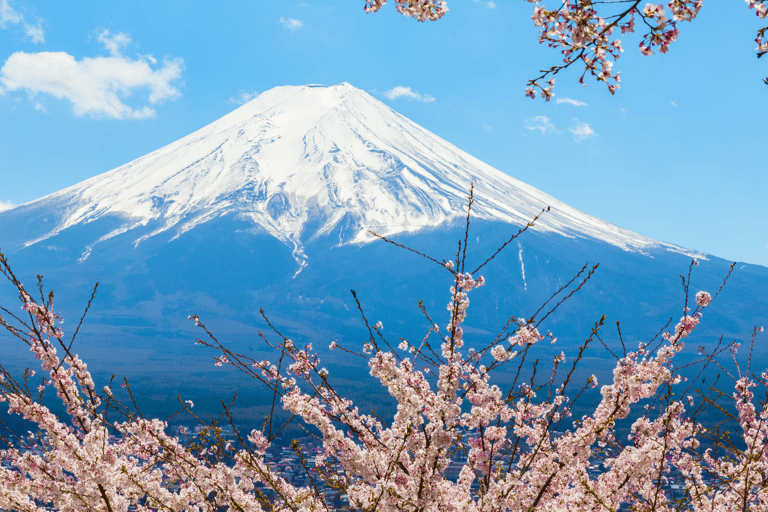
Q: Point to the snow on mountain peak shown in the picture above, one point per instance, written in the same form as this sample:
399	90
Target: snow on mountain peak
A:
304	162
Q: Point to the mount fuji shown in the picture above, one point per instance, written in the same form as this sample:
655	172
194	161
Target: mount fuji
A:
302	163
271	207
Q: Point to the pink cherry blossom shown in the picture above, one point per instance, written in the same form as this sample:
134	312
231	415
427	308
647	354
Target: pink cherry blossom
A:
703	299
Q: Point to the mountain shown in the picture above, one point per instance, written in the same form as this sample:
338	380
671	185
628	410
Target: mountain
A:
301	163
271	206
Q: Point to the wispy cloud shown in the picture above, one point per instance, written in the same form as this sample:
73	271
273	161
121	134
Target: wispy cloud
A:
114	43
6	205
40	107
674	104
408	93
489	5
10	16
569	101
582	131
291	24
243	97
96	86
540	123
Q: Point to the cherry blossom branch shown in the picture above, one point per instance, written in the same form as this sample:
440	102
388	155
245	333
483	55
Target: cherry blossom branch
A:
583	31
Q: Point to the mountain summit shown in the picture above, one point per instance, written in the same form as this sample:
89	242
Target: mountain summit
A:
300	163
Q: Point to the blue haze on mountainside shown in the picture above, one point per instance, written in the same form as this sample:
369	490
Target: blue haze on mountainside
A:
225	266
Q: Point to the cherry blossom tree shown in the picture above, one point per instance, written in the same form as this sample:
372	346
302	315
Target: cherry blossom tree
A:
585	32
521	448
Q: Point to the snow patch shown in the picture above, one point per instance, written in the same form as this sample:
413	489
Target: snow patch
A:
111	234
522	265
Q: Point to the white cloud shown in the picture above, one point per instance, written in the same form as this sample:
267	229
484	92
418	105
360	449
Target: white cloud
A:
114	43
408	93
541	123
489	5
488	127
575	103
96	86
6	205
10	16
305	4
674	104
243	97
40	107
291	24
582	131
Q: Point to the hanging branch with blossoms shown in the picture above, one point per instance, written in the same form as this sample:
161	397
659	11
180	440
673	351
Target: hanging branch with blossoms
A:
585	32
586	37
518	449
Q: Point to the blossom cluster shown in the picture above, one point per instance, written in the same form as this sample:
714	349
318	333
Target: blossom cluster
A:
759	6
761	10
422	10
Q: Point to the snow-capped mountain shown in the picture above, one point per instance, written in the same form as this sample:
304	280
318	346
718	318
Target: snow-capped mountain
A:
270	207
300	163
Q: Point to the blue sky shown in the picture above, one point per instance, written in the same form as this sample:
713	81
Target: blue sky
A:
678	154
